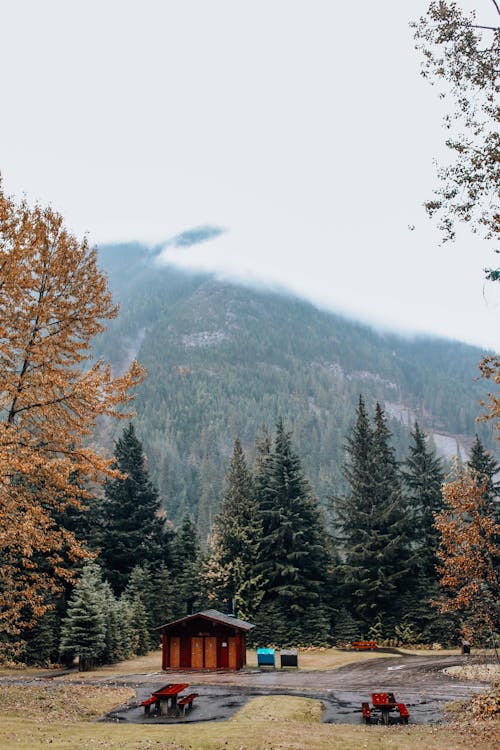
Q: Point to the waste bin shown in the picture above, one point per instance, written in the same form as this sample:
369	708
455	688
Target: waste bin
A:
289	658
265	658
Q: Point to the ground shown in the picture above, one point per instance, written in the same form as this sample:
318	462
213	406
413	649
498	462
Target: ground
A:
315	708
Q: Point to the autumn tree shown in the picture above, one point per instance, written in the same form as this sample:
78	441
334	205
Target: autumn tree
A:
53	301
460	53
468	554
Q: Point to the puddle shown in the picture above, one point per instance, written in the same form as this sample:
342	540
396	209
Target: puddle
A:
214	704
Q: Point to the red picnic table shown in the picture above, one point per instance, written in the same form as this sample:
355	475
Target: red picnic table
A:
385	703
165	695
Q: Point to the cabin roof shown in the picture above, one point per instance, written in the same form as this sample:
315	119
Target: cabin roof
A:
214	616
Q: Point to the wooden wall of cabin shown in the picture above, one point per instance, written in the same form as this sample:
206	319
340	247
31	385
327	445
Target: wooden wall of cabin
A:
203	650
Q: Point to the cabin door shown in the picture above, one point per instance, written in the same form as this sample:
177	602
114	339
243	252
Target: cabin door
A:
224	656
211	653
233	653
175	652
197	653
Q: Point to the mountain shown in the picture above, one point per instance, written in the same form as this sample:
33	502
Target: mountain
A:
223	360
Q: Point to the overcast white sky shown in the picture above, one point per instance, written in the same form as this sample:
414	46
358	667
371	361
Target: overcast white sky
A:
300	126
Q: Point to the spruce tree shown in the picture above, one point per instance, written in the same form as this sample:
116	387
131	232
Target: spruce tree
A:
423	476
185	596
393	507
372	522
137	592
83	630
114	649
132	530
236	535
42	641
292	555
482	462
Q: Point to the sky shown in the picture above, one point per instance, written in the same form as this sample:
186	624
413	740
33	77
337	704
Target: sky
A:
300	127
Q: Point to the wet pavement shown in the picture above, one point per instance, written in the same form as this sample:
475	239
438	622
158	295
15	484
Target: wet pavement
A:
417	681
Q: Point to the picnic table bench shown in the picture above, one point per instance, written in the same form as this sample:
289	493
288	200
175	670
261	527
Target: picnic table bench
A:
186	702
364	645
165	695
384	703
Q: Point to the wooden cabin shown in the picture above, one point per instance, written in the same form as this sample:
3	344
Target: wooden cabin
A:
205	640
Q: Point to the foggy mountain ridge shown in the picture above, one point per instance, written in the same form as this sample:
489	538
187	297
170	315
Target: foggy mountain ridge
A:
223	360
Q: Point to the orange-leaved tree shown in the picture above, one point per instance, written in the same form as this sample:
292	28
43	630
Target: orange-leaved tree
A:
469	553
490	369
53	301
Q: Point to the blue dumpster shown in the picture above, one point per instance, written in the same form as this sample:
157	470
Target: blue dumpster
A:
265	658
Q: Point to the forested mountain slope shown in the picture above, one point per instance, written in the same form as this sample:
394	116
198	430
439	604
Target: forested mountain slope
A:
223	360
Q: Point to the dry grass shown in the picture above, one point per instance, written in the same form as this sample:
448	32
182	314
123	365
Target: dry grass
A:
323	658
317	658
31	721
61	703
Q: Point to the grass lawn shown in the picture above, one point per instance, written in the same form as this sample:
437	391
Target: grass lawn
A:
53	716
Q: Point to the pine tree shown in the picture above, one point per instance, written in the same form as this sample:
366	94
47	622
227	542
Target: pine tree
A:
150	588
83	630
132	529
231	563
42	641
186	570
372	521
160	599
292	553
346	629
423	476
114	648
139	625
487	468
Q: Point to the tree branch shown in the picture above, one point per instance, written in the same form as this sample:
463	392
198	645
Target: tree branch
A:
488	28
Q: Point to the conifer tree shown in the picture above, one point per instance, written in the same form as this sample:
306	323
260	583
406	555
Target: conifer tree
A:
132	529
372	521
139	624
230	567
292	553
42	641
487	468
423	476
115	649
186	571
83	630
